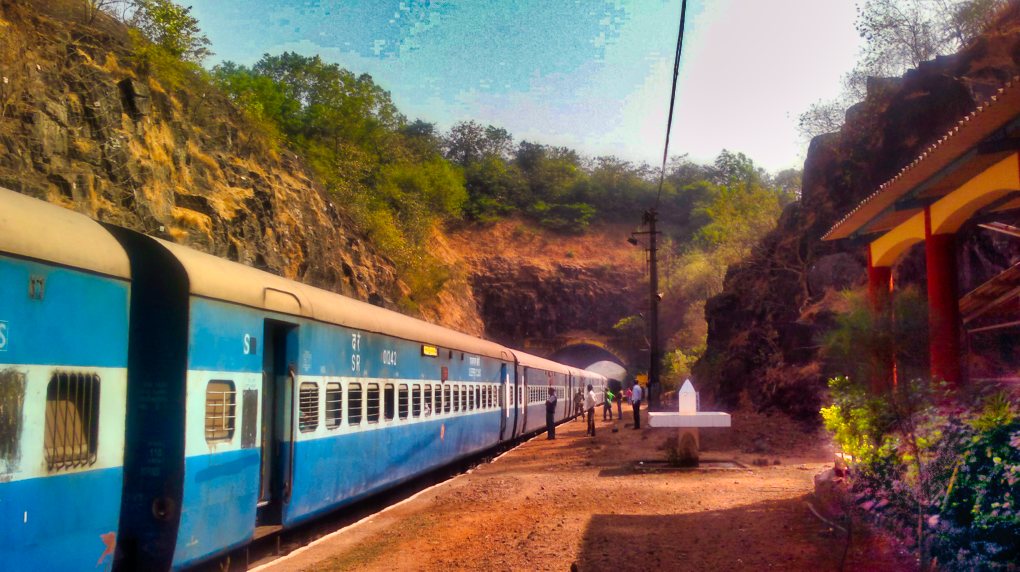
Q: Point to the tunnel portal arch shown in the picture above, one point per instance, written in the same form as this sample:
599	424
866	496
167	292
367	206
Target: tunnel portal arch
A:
593	356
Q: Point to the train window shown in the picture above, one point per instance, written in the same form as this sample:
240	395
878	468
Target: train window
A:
447	398
308	403
389	401
463	398
427	407
471	399
334	405
416	400
354	404
220	408
72	420
402	401
12	404
456	399
373	403
478	397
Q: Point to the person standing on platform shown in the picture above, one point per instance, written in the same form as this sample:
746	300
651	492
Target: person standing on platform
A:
550	413
607	406
589	409
636	393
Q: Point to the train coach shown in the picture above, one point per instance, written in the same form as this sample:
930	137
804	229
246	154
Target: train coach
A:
234	402
64	297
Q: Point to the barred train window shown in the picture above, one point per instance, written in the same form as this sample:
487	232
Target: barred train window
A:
416	400
456	399
428	407
354	404
478	397
373	403
12	405
309	404
220	410
389	401
471	399
463	398
402	401
334	405
72	420
447	401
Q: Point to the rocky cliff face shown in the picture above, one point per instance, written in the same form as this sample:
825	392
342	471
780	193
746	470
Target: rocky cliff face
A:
530	302
765	327
83	126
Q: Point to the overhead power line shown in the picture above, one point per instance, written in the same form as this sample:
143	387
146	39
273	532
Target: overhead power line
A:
672	98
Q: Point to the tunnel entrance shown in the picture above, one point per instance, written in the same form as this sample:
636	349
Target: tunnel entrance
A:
593	358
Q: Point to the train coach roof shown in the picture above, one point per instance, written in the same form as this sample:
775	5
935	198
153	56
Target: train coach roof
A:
43	231
220	279
529	360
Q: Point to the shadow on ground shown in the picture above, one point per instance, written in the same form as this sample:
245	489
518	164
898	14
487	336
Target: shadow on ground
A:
705	540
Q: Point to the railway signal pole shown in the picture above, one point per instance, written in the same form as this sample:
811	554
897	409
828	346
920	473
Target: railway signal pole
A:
650	218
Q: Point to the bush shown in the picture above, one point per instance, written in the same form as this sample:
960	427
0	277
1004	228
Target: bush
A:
948	478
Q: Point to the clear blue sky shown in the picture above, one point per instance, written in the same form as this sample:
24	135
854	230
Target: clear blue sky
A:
590	74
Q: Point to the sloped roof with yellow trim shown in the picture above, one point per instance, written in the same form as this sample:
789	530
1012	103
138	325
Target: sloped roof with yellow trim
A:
944	165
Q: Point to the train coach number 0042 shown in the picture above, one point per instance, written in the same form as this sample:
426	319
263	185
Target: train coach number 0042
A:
3	336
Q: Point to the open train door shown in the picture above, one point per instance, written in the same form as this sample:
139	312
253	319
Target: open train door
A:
279	370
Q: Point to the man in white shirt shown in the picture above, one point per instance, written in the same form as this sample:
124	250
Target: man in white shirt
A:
589	409
636	394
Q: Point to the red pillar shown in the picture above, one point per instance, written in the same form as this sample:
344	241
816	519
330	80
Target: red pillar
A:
879	295
879	284
943	304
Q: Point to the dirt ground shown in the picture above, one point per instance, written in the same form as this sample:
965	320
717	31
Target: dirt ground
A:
576	501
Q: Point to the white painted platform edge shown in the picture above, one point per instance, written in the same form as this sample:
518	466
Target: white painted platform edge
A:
700	419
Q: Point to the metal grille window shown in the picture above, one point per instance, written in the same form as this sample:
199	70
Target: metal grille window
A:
309	407
354	404
478	397
456	399
402	401
220	410
72	420
389	401
373	403
428	406
12	404
447	398
463	398
416	395
471	399
334	405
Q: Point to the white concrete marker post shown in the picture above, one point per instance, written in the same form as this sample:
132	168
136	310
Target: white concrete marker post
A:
688	419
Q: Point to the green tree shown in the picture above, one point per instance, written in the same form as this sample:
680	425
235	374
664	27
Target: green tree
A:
172	28
469	142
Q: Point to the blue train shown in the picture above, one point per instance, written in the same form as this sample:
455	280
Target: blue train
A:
160	407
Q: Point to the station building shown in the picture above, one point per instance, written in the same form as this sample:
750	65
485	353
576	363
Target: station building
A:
965	183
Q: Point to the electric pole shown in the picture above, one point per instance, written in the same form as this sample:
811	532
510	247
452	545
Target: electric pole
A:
655	354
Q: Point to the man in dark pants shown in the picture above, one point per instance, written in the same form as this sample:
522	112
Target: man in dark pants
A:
589	410
635	399
550	412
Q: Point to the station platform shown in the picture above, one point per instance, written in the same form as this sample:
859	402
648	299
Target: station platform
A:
589	503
